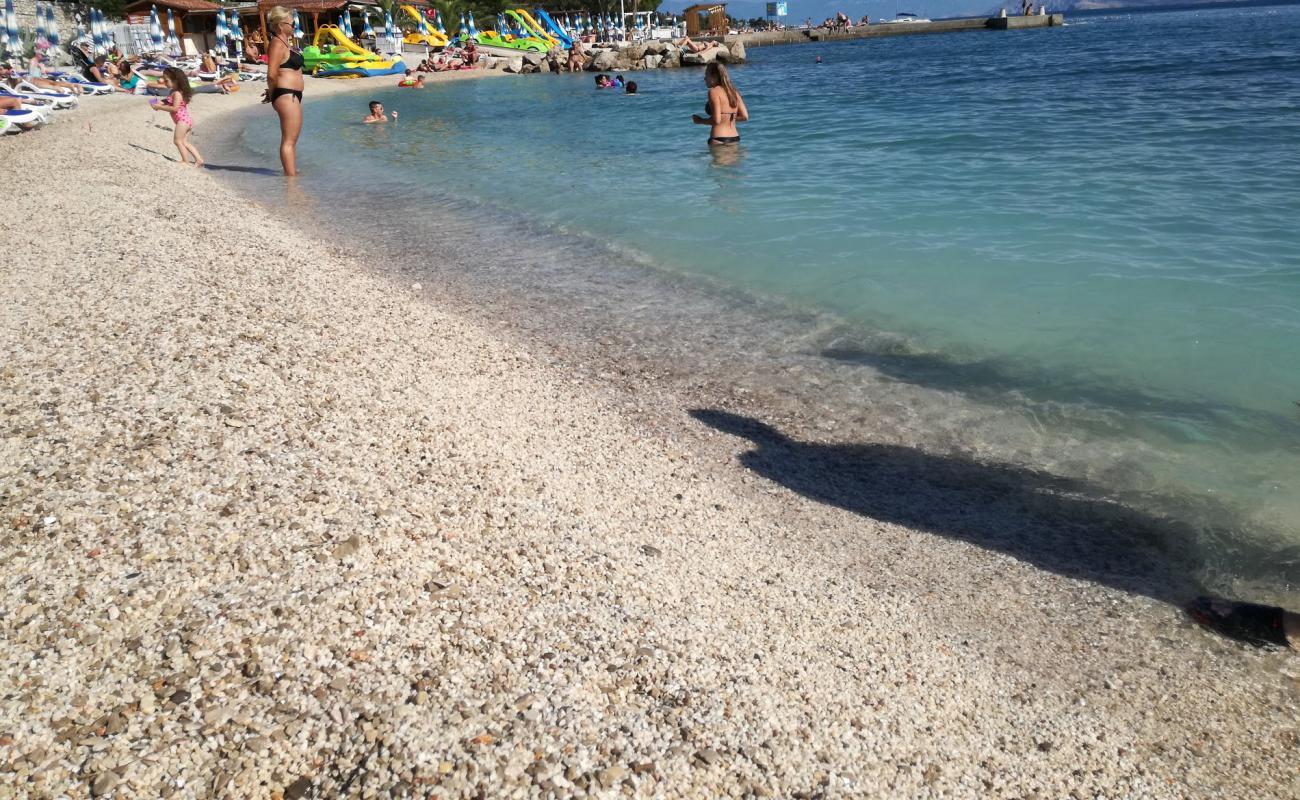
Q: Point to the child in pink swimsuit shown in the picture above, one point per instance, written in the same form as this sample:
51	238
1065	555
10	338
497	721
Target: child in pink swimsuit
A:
178	103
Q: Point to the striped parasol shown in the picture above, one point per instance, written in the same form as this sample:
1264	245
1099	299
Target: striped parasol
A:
297	26
155	30
10	30
96	31
437	20
223	32
347	22
173	41
464	28
41	41
388	29
473	31
366	29
501	24
51	27
236	33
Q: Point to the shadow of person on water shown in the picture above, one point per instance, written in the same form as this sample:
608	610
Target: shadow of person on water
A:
1058	524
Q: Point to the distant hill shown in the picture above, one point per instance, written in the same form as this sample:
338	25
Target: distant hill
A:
817	10
1101	5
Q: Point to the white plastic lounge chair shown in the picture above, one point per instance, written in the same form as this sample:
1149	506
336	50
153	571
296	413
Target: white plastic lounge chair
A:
23	120
60	100
41	106
87	87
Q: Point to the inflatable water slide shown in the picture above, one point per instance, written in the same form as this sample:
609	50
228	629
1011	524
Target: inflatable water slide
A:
425	34
333	55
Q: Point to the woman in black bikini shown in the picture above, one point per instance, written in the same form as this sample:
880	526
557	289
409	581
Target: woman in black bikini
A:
725	107
284	84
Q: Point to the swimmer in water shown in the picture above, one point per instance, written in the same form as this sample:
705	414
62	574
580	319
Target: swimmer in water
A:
377	113
725	107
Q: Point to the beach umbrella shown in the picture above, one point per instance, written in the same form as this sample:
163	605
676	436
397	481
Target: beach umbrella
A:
297	26
173	41
223	32
388	29
41	41
464	29
366	30
10	29
155	30
96	31
473	31
236	34
437	18
347	22
51	27
501	24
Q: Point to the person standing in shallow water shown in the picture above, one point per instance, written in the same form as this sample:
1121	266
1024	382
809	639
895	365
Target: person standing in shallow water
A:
725	107
284	84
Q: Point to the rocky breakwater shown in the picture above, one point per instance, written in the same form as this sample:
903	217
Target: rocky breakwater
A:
633	57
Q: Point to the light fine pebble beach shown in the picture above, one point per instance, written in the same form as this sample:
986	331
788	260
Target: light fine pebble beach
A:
278	524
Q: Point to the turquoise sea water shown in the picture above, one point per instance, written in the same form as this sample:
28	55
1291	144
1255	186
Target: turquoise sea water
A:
1075	248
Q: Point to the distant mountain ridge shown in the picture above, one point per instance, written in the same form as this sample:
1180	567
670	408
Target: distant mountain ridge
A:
1106	5
817	10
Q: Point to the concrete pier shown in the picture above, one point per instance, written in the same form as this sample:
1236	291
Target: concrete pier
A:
801	35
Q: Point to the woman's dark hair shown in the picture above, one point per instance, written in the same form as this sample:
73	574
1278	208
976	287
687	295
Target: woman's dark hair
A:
179	82
374	103
631	87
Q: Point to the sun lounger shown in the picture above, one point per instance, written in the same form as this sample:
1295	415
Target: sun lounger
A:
21	120
87	87
60	100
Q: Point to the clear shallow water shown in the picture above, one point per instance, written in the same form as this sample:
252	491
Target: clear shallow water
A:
1073	248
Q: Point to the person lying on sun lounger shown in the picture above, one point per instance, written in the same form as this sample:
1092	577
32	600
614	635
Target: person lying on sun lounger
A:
36	76
694	47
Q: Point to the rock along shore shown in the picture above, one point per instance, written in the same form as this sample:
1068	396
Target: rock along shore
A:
276	524
630	58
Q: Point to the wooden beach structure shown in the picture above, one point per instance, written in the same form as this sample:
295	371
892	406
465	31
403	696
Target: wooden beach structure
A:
196	21
715	13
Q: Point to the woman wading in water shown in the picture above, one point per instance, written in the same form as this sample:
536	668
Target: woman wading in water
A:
284	84
725	107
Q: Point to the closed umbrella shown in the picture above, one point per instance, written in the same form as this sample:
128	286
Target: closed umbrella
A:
236	34
51	27
155	30
173	40
223	32
96	31
437	18
366	30
110	38
501	25
297	26
41	41
388	29
10	29
473	31
347	22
